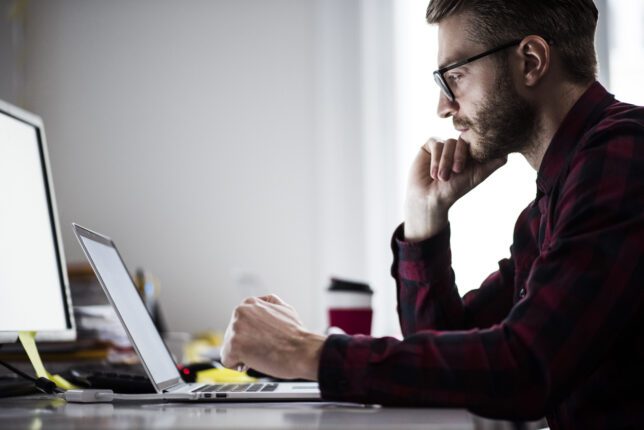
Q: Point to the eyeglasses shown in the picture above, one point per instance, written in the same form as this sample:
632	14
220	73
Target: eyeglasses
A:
439	74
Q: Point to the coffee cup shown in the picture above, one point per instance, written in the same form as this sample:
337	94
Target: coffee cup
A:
349	306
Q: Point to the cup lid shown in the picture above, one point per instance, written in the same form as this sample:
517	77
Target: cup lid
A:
352	286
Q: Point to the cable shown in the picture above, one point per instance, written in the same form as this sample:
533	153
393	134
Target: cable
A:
18	371
43	384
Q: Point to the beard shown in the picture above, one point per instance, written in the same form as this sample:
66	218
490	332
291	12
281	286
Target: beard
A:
505	123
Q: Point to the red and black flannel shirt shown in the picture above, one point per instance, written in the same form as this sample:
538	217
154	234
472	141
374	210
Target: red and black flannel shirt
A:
558	330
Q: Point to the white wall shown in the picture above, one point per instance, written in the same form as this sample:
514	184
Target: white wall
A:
217	139
358	172
186	131
8	63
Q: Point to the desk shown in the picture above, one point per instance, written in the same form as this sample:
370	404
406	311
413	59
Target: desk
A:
45	413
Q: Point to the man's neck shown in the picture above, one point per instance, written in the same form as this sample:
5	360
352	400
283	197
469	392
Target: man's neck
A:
553	112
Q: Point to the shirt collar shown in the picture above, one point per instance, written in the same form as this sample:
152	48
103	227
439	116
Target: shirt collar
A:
581	117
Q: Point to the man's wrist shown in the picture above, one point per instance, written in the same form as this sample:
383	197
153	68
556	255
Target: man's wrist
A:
309	359
423	221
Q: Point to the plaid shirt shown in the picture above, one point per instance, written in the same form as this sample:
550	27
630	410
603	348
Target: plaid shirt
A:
558	329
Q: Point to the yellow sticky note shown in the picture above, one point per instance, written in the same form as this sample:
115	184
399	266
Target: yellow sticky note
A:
223	376
62	382
28	341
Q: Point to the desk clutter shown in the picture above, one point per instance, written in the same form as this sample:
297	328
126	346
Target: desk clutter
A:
103	356
100	334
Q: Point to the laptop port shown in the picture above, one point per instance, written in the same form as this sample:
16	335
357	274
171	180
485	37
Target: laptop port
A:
221	395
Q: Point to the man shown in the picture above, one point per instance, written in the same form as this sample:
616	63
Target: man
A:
557	330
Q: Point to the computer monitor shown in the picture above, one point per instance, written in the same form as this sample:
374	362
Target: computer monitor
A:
34	290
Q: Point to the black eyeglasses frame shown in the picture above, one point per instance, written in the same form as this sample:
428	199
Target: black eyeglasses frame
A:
440	79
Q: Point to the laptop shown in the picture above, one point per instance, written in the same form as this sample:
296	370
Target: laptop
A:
155	357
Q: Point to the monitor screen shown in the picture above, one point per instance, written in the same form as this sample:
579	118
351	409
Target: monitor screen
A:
34	292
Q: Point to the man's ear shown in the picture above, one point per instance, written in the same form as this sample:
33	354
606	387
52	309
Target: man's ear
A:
535	53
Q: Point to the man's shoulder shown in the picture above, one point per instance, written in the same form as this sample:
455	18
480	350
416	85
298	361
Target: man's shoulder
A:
619	120
609	158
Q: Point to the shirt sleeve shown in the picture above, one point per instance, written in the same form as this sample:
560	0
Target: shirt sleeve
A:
584	294
428	298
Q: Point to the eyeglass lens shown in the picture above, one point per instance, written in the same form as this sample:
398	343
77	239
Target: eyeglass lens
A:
443	86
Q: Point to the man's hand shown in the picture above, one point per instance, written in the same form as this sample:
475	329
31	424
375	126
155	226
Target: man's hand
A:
266	334
442	173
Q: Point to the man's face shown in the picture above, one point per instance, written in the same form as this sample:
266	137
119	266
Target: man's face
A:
488	111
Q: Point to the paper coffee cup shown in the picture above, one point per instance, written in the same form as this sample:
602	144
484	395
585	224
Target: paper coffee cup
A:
349	306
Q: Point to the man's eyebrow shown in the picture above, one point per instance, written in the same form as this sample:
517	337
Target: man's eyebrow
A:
452	59
446	62
449	62
455	58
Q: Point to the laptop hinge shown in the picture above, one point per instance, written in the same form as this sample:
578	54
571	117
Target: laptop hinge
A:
173	387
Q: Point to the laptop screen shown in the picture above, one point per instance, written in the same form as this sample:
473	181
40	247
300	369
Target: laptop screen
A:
122	293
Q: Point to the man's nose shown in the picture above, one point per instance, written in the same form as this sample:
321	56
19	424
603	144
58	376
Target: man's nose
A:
446	108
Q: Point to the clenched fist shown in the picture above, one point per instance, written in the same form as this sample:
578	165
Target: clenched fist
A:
266	334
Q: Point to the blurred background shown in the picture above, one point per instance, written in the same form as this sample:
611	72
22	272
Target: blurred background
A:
236	148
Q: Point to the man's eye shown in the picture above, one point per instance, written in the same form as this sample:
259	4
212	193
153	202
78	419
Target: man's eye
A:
454	77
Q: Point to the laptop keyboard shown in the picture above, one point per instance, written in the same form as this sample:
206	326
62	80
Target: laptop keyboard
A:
236	388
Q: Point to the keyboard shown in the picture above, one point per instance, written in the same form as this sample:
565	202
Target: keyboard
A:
236	388
126	382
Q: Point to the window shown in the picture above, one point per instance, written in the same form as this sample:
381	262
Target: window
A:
483	221
625	49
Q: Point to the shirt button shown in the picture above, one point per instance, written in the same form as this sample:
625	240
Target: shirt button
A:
522	293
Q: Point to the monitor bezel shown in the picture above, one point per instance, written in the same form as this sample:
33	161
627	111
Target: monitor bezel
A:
68	334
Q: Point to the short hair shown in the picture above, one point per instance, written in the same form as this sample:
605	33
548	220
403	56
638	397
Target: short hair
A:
570	24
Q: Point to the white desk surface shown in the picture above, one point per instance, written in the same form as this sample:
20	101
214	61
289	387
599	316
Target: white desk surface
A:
45	413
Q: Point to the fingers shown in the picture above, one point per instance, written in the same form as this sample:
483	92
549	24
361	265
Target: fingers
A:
272	298
447	157
230	361
269	298
256	307
435	149
229	354
446	164
271	301
232	348
460	156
